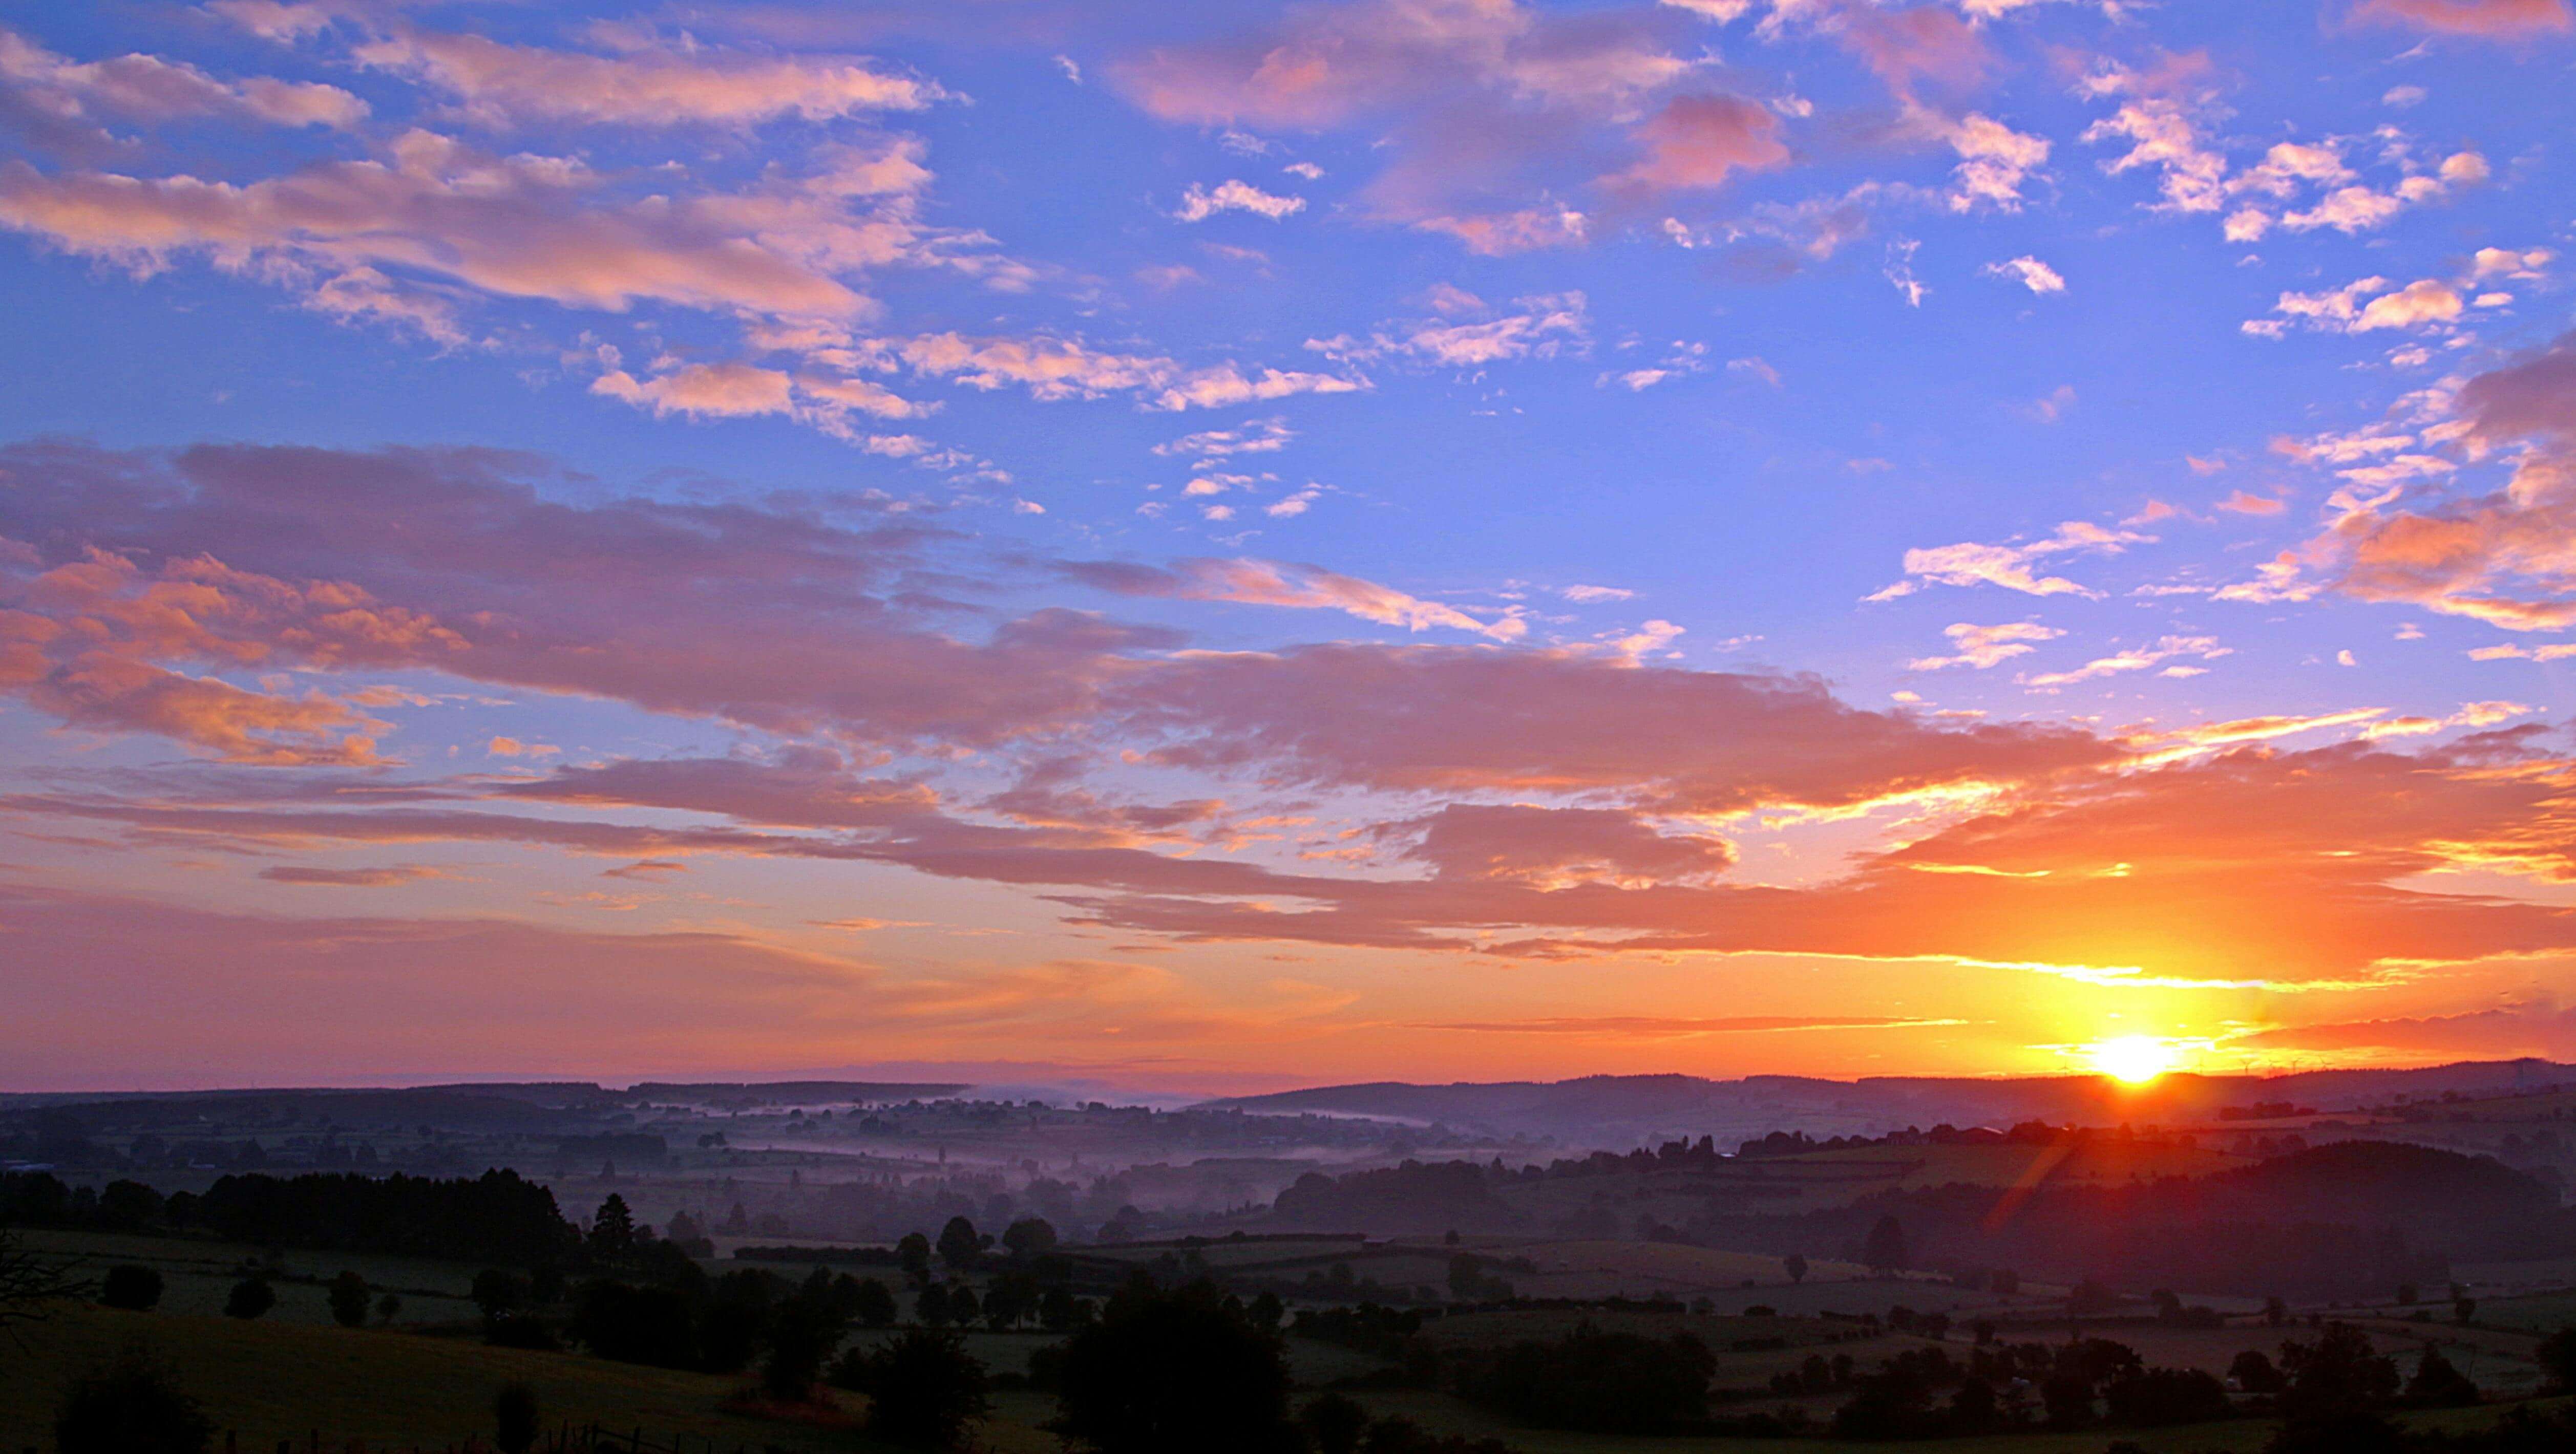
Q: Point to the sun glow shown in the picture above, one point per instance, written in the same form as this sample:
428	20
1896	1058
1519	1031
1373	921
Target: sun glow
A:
2134	1059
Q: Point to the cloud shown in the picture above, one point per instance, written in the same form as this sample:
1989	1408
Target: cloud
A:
501	85
1488	112
522	226
2241	503
1063	368
1986	646
1277	583
729	390
2136	658
2030	272
2477	19
1551	848
2013	567
1469	334
2504	557
1200	203
249	558
1698	141
2365	305
145	88
348	878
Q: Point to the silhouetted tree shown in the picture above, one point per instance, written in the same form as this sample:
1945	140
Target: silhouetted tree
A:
913	1254
2557	1357
1795	1266
803	1331
1030	1237
1175	1372
612	1230
250	1298
873	1303
959	1244
2439	1382
1885	1249
129	1406
924	1390
1333	1424
932	1306
134	1289
2255	1373
387	1308
348	1294
514	1418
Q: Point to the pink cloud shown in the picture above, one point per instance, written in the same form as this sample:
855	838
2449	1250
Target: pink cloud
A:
502	85
2484	19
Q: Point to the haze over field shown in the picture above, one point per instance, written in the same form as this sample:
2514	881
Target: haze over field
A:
1211	549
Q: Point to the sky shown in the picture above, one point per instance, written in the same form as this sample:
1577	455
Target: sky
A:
1224	546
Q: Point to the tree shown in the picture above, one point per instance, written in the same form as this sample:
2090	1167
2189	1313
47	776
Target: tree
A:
612	1230
2557	1358
873	1303
130	1406
2337	1374
131	1288
499	1293
1175	1372
913	1254
1030	1237
31	1287
924	1390
388	1308
959	1244
250	1297
514	1418
803	1331
1268	1311
1333	1424
2255	1373
932	1306
963	1305
1796	1267
2439	1382
1884	1252
349	1300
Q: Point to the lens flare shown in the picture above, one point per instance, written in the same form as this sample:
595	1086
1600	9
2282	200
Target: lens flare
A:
2134	1059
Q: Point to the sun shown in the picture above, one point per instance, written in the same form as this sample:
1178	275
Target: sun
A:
2134	1059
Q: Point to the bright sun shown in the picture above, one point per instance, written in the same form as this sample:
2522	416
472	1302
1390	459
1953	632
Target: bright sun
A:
2135	1059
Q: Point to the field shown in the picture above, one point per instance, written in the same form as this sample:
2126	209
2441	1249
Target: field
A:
426	1382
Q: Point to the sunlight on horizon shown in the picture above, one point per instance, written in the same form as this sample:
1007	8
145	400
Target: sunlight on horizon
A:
2134	1059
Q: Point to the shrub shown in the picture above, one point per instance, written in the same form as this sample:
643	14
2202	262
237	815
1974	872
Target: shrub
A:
135	1289
514	1418
349	1300
924	1390
130	1406
250	1298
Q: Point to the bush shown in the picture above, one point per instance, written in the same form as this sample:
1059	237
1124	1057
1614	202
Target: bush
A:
250	1298
924	1390
349	1300
130	1406
514	1418
134	1289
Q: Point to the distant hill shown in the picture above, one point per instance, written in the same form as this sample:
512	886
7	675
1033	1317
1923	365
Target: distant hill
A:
1608	1110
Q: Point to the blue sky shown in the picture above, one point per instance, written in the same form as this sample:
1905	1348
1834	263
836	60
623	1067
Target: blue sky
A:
1801	447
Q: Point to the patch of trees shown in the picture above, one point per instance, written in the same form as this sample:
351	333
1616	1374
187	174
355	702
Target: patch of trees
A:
1414	1196
1175	1371
495	1218
1593	1381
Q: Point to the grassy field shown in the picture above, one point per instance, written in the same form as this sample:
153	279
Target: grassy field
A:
196	1276
400	1390
269	1381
